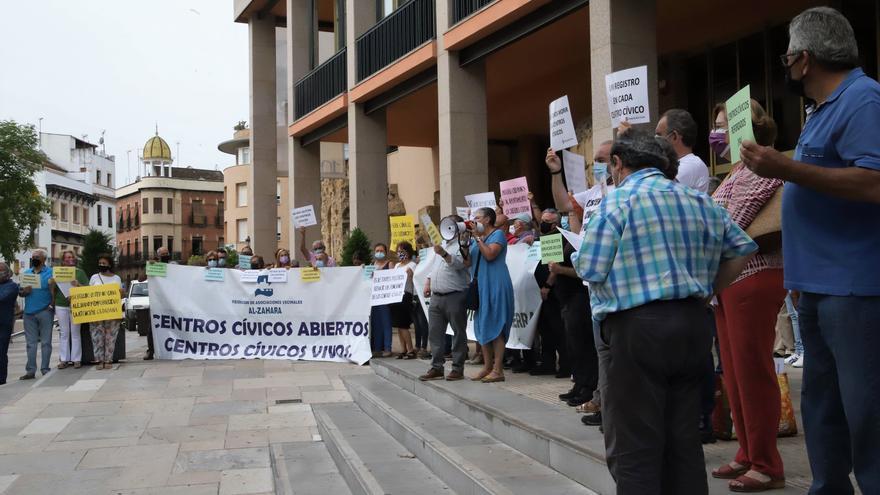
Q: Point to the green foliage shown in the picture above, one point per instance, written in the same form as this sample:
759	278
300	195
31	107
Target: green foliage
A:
197	260
231	258
21	205
356	244
95	243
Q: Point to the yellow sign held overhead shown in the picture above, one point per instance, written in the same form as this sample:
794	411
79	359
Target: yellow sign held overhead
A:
402	229
95	303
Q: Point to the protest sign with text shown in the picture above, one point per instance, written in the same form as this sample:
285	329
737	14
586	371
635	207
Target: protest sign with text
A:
95	303
303	216
388	286
480	200
515	196
575	171
402	229
551	248
562	133
64	273
627	92
739	121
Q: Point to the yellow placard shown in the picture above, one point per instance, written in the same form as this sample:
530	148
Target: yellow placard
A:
402	229
434	234
95	303
64	273
310	274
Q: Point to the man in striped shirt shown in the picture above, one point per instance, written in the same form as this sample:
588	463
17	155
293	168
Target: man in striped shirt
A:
653	254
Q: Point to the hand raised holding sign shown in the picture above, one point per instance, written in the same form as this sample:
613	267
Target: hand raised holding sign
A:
765	161
552	161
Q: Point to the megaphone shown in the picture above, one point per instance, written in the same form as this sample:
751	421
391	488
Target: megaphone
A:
450	229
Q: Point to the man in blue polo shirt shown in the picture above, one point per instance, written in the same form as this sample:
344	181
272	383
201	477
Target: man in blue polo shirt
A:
39	315
831	243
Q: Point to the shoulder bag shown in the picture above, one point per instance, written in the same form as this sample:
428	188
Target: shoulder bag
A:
472	298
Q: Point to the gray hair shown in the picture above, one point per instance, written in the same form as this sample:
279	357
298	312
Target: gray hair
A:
826	35
638	149
40	251
682	122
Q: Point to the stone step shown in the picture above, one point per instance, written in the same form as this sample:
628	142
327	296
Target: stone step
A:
305	467
468	460
371	461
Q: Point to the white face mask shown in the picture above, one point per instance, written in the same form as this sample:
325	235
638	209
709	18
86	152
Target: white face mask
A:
512	230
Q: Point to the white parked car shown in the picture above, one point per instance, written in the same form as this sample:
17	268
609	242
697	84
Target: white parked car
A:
138	298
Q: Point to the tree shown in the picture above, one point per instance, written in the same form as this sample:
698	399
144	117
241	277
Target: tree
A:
95	243
356	244
21	205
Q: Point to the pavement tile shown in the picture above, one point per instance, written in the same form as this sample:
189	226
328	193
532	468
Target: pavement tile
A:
79	409
188	489
24	443
282	393
289	408
91	444
85	482
85	385
247	439
98	427
128	456
227	408
40	462
195	478
183	434
246	481
284	435
173	370
221	460
270	421
326	396
6	482
45	426
185	381
214	444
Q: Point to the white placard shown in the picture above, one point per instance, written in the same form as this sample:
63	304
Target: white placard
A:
64	287
574	239
627	92
562	133
278	275
575	171
303	216
590	200
388	286
481	200
250	276
463	211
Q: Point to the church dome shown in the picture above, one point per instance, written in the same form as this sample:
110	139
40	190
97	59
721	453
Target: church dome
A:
157	149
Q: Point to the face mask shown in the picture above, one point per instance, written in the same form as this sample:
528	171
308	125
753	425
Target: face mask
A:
318	250
600	171
717	141
564	223
480	228
795	86
165	258
257	266
284	260
212	263
319	263
547	227
103	268
221	262
35	262
379	255
512	230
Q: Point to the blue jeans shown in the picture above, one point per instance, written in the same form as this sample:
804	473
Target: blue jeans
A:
795	325
380	328
38	328
841	386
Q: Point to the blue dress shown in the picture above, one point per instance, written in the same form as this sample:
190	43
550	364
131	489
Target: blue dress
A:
495	315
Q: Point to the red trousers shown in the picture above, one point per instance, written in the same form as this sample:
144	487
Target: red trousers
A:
746	320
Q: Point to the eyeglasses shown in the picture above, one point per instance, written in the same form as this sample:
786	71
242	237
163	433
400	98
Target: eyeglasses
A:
785	56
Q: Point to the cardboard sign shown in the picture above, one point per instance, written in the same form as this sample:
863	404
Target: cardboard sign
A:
388	286
278	275
575	171
368	271
30	280
303	216
95	303
429	227
480	200
402	229
250	276
739	122
215	274
309	274
551	248
515	196
534	252
244	262
562	133
627	92
157	269
574	239
64	273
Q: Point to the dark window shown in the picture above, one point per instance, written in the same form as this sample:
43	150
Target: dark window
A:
157	242
99	216
170	244
146	205
146	244
197	246
170	205
157	205
109	216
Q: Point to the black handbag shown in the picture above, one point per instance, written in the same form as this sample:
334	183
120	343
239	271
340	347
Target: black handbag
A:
472	298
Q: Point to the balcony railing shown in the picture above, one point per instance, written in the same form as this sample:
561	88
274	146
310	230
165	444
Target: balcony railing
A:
325	82
198	220
394	36
464	8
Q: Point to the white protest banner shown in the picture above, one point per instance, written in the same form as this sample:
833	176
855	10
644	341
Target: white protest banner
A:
278	275
480	200
388	286
463	211
627	92
575	171
321	321
303	216
526	294
575	240
562	133
515	196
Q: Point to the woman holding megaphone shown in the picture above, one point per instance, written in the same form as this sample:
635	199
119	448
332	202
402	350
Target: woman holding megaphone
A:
491	284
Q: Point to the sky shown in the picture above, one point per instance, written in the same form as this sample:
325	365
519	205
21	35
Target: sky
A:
124	66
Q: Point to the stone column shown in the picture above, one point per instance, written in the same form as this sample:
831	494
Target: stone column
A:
367	140
463	148
623	34
304	163
262	209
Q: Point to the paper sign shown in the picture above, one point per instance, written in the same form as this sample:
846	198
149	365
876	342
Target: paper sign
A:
215	274
309	274
278	275
388	286
64	287
575	171
30	280
368	271
64	273
515	196
157	269
463	211
244	262
303	216
95	303
429	227
534	253
481	200
250	276
739	121
551	248
574	239
562	133
627	92
402	229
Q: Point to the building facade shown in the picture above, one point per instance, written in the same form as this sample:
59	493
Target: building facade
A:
471	81
73	211
174	207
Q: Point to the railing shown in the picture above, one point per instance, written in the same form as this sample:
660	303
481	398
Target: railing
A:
394	36
322	84
218	221
464	8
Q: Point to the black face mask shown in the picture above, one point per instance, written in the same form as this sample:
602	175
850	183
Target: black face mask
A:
165	258
547	227
103	268
795	86
35	262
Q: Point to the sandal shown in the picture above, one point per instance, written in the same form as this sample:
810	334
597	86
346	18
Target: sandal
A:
480	376
728	472
493	378
61	366
410	355
401	355
747	484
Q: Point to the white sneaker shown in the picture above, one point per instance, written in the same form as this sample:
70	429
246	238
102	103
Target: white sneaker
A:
792	358
799	363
